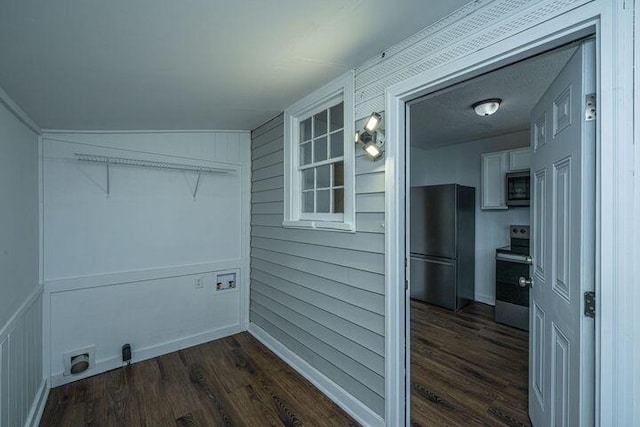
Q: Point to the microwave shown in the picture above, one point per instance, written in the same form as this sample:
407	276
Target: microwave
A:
518	188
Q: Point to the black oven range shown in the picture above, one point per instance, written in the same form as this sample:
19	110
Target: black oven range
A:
512	264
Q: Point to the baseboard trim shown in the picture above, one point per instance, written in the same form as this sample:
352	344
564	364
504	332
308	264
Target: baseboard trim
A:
138	355
337	394
37	408
485	299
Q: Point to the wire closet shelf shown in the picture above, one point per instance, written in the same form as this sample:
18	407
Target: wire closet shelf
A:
109	160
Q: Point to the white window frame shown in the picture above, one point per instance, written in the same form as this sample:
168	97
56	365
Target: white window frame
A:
340	89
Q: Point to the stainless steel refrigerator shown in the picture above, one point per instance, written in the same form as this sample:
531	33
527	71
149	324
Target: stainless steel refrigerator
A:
442	243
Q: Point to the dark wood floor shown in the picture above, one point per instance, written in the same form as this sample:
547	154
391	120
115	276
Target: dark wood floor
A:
466	369
234	381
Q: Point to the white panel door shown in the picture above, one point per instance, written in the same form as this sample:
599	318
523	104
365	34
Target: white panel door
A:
561	341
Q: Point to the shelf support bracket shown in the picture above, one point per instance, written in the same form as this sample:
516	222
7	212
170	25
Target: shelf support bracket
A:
197	184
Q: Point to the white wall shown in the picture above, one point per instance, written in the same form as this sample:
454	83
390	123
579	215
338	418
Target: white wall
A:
121	268
21	383
460	164
18	213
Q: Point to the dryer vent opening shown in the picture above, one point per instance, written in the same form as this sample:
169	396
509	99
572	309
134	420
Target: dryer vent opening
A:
79	363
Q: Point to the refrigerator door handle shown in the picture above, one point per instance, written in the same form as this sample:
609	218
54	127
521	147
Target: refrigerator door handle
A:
441	261
435	261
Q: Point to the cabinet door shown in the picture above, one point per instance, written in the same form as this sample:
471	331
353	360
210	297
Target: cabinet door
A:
519	160
494	168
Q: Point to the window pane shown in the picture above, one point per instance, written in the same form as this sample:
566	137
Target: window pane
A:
322	176
307	201
307	179
338	174
337	117
338	200
305	154
305	130
323	201
320	123
320	149
337	144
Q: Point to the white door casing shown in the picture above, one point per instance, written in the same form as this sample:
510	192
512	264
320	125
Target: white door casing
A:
616	351
561	339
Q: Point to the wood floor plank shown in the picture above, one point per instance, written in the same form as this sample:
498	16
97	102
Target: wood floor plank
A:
236	369
235	381
174	386
313	407
152	414
211	392
257	409
263	356
466	369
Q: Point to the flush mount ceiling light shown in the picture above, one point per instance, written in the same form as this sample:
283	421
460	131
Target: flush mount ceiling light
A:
487	107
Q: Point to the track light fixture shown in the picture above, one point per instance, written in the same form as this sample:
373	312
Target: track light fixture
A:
372	138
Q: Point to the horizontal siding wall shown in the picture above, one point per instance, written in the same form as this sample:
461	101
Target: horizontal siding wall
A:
320	293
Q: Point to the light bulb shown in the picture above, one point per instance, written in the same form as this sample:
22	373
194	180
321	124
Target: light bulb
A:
373	122
373	150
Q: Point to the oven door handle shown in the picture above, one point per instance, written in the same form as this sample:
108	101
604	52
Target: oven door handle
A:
521	259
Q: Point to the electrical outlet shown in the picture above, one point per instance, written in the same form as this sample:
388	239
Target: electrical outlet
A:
199	282
126	353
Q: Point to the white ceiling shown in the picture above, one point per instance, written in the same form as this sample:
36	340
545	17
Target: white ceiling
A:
197	64
446	117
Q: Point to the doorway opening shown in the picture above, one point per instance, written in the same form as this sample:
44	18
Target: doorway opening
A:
493	212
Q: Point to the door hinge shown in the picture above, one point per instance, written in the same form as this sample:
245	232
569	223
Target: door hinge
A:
406	274
590	304
590	107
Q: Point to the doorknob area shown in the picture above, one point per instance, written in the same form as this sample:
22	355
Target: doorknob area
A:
528	260
524	282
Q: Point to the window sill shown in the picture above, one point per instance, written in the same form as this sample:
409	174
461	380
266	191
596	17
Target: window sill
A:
321	225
